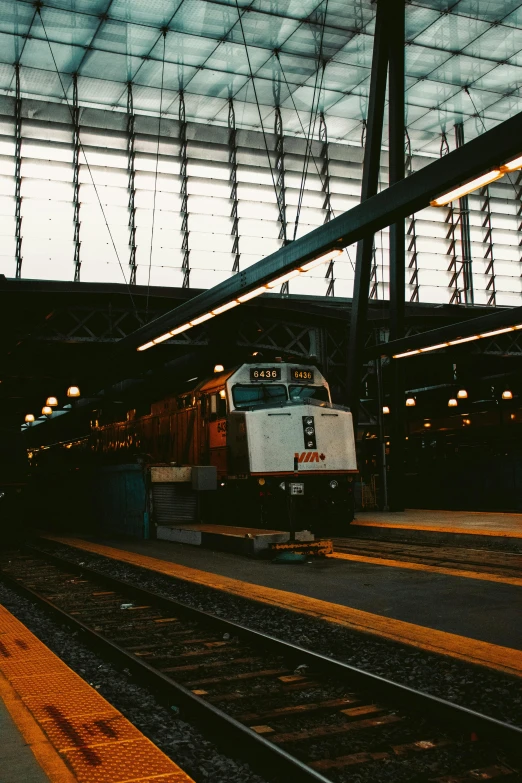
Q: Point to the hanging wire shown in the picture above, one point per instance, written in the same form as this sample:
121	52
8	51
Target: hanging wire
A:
164	33
313	119
88	166
304	134
257	101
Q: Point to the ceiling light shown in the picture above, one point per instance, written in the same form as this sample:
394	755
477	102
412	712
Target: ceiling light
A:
407	353
29	418
162	338
385	409
434	347
283	279
468	187
464	339
145	346
410	402
321	260
466	421
427	424
452	402
462	394
498	331
47	410
225	307
507	394
512	165
73	391
201	319
219	368
252	294
51	401
180	329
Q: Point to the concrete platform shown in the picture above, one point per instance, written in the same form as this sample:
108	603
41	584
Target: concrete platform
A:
471	619
17	761
476	528
225	538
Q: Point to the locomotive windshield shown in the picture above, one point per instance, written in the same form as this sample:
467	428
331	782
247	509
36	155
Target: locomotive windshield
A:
260	394
309	393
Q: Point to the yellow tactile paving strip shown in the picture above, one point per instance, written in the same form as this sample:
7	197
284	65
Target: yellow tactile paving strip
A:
74	733
474	651
485	577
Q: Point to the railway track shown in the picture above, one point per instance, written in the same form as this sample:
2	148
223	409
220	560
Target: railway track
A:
293	714
506	564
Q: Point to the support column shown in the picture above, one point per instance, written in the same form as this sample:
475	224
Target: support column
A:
185	265
465	234
76	179
327	202
131	165
411	233
280	182
18	174
396	27
232	160
370	181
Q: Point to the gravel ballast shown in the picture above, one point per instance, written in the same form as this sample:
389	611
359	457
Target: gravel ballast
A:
483	690
179	740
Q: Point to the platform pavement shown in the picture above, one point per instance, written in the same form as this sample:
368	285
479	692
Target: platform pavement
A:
479	527
468	618
17	761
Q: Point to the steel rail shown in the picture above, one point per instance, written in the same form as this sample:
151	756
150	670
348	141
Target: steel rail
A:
405	197
225	729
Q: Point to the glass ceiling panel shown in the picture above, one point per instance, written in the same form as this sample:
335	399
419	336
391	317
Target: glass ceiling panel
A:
452	46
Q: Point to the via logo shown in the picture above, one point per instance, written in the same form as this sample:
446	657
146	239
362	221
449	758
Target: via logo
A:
309	456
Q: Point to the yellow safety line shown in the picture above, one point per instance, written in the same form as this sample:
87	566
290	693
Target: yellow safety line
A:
439	529
486	577
494	656
62	718
44	753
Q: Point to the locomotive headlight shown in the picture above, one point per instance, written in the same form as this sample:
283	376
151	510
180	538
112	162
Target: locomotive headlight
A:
309	430
261	482
282	485
309	421
334	484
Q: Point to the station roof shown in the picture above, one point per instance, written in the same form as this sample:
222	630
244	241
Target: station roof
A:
463	59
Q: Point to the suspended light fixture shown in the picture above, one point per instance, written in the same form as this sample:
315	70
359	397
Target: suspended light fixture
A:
219	368
51	401
507	394
73	391
452	402
385	409
468	187
47	410
462	394
29	418
427	424
410	402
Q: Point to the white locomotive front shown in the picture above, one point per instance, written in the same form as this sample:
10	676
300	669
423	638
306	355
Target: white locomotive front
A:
281	422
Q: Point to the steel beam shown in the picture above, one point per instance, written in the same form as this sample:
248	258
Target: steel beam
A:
76	179
183	155
327	203
18	174
485	207
465	235
131	166
410	195
232	162
500	319
396	35
411	233
369	188
280	189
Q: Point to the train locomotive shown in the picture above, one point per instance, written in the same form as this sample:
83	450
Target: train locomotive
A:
259	425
